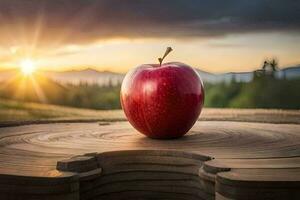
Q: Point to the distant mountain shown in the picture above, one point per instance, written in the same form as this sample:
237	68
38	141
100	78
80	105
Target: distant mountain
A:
288	73
206	76
92	76
226	77
89	76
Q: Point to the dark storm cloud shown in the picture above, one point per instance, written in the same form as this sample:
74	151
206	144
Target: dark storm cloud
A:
73	21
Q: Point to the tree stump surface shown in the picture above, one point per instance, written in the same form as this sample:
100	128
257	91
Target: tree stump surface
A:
220	158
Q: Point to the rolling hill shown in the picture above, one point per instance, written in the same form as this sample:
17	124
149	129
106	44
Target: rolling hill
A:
38	89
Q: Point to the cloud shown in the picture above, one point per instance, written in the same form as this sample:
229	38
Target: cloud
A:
54	22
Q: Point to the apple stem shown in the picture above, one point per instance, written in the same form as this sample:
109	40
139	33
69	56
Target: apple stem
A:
168	50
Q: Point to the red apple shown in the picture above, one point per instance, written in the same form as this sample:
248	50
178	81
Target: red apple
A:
162	100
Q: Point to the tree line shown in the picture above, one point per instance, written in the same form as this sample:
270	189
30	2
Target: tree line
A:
264	91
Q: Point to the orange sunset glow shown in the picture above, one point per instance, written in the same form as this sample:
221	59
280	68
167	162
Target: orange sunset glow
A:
104	39
231	53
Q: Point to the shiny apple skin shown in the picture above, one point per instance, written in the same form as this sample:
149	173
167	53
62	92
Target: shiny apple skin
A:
162	102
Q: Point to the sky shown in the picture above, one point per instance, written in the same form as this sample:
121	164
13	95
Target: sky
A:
117	35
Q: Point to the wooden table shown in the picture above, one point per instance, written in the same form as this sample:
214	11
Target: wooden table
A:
247	154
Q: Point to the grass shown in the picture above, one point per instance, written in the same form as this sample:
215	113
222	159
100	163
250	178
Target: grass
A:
20	111
14	112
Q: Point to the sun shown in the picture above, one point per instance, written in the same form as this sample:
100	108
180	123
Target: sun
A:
27	67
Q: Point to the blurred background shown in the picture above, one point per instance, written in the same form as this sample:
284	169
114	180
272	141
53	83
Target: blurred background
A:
75	53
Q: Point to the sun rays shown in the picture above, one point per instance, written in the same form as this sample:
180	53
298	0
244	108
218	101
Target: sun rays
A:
27	83
28	67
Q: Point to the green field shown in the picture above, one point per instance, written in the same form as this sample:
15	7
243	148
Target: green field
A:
14	112
20	111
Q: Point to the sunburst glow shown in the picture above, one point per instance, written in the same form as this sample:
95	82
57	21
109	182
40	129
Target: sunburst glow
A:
27	66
